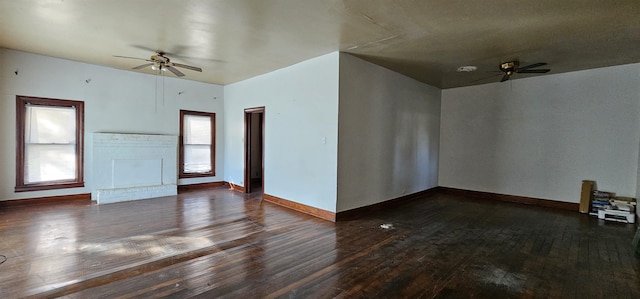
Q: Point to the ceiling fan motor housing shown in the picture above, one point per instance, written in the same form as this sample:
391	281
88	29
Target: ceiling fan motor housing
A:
160	58
509	67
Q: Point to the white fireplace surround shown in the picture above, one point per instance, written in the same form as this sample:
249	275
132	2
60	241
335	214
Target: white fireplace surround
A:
133	166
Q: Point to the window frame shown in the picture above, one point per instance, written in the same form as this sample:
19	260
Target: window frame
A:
21	103
181	173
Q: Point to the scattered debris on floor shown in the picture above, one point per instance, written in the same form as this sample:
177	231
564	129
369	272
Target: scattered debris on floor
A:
386	226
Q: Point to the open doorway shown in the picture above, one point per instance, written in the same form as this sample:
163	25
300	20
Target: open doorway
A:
254	150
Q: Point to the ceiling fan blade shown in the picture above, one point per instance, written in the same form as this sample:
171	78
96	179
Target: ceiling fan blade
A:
174	71
143	66
532	66
146	48
175	52
505	78
136	58
540	71
184	66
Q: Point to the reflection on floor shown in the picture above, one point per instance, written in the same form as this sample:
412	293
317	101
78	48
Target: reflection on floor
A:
218	242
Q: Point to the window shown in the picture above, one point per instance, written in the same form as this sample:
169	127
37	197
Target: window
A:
197	144
49	151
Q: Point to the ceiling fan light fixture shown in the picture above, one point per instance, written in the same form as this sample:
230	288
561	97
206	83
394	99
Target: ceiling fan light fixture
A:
156	67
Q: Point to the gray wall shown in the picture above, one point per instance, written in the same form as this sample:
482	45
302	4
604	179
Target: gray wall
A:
541	136
388	134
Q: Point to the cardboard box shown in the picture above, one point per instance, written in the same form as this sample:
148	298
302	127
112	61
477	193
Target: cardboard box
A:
585	195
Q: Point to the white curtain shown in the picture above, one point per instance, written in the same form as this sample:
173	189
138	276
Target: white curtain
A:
197	144
50	144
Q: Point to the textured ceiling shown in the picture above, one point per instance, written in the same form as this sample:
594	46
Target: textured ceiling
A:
233	40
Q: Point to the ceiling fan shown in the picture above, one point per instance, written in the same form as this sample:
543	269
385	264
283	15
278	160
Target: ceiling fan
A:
160	62
511	67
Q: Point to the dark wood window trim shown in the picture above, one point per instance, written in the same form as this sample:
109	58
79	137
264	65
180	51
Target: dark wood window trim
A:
182	174
21	102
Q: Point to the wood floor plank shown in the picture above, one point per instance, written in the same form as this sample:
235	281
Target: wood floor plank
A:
218	243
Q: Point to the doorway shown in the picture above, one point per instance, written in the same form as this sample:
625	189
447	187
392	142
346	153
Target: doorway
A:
254	150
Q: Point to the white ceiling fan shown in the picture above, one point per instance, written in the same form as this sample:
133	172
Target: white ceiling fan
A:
160	62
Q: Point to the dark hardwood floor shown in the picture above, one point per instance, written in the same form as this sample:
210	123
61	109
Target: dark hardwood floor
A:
220	243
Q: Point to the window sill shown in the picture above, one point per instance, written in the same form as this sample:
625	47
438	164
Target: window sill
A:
196	175
48	186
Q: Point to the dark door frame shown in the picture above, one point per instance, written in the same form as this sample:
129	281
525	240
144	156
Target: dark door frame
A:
247	146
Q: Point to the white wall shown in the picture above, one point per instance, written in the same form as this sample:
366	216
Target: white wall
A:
541	136
301	117
115	101
389	128
638	184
